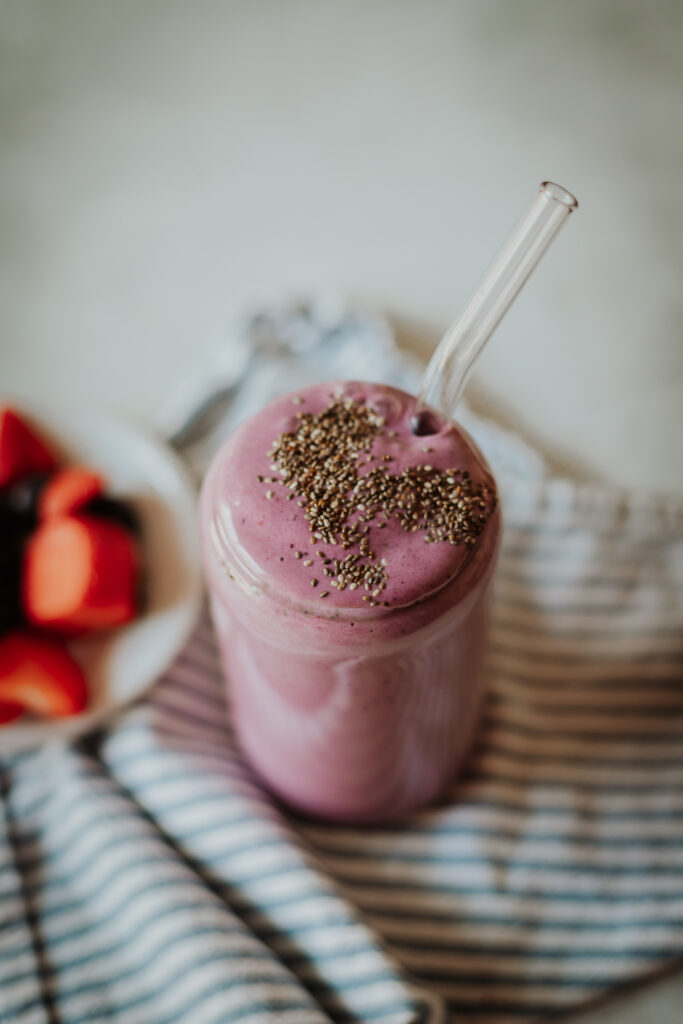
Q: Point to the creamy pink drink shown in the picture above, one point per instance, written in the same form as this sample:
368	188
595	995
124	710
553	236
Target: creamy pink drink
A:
349	563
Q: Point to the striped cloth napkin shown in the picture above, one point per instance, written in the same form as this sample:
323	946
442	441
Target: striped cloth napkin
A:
145	878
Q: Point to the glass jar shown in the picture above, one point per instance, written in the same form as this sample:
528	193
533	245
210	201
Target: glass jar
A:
351	703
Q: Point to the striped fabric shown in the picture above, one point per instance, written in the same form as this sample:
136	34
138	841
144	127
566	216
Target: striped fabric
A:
146	878
555	871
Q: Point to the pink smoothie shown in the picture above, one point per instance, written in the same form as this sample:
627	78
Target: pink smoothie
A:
349	563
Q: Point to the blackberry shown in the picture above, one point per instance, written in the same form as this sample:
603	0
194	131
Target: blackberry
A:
12	539
20	501
116	511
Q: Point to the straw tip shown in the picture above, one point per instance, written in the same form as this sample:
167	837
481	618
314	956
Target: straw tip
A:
559	194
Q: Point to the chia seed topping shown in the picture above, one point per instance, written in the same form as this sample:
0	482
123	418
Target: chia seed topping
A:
319	463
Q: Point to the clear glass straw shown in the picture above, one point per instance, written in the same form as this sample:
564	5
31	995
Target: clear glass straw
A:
450	366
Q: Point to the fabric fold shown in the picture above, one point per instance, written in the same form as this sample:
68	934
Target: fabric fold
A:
131	932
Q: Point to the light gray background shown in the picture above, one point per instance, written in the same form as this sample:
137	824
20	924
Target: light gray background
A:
162	164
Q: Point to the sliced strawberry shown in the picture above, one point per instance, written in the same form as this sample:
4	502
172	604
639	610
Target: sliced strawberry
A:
9	711
68	490
39	675
80	574
22	451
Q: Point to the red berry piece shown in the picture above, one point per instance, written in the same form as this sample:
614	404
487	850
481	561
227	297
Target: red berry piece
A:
80	574
38	674
68	490
22	450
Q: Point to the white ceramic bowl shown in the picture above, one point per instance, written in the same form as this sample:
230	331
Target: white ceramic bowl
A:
120	664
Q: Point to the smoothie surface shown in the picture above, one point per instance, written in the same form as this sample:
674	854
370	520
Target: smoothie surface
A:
397	515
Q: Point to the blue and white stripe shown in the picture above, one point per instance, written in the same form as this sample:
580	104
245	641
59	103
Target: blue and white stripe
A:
145	878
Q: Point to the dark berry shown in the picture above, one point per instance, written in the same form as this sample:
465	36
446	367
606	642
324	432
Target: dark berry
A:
21	499
116	511
11	555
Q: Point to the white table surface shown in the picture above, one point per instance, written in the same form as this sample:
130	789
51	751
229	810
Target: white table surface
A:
162	165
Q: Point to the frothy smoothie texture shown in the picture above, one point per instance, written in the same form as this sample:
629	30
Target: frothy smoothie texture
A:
349	563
